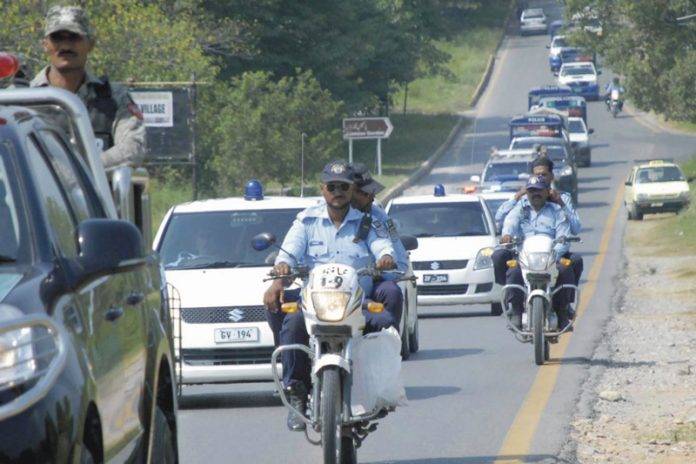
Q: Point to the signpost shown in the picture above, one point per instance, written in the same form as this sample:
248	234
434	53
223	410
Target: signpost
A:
367	129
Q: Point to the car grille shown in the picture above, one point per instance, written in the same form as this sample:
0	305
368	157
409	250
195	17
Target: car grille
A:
442	289
226	314
227	356
441	265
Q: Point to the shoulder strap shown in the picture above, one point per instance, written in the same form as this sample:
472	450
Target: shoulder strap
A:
363	228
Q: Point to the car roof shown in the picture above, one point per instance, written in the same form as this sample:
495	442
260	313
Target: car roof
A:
575	118
529	11
513	154
578	64
499	195
425	199
562	98
239	203
656	164
521	158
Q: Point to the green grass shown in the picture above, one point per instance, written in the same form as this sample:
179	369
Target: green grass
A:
670	235
163	196
469	52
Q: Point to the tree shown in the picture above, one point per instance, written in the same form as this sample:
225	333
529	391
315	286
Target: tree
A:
253	126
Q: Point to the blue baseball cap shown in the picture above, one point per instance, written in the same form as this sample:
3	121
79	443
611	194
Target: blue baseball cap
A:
337	171
537	182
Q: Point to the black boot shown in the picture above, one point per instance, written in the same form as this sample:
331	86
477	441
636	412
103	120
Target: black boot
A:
297	397
515	319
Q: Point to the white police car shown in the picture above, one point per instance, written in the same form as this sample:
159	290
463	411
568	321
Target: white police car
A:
581	77
206	252
494	198
456	236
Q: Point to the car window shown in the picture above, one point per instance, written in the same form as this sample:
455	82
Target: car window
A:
82	203
577	70
459	219
559	42
499	172
661	174
576	127
221	239
493	204
58	213
10	236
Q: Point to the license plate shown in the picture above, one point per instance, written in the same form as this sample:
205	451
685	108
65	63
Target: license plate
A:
656	205
236	335
435	278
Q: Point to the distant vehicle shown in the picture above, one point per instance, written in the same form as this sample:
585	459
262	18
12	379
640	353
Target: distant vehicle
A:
656	186
506	169
580	141
543	125
574	55
533	21
557	45
581	77
494	199
556	27
571	106
456	236
537	93
86	360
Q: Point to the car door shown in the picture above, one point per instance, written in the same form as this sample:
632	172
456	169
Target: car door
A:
115	328
628	191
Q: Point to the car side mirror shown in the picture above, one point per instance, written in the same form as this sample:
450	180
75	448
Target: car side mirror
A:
107	246
409	242
475	178
690	179
590	131
548	47
262	241
628	183
599	72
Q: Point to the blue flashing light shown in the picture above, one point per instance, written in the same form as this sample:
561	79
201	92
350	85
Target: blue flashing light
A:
253	190
439	190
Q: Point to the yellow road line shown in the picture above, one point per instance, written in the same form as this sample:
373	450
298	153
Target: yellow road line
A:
521	433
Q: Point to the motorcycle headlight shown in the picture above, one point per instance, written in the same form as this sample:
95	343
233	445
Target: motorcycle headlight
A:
567	171
537	262
32	355
483	259
330	306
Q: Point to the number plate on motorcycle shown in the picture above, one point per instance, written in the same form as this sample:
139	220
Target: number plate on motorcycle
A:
236	335
435	278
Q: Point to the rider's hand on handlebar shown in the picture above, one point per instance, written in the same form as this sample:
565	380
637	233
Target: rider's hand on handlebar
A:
385	262
506	239
522	192
281	269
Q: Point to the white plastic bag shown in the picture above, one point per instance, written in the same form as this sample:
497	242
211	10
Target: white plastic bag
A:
377	379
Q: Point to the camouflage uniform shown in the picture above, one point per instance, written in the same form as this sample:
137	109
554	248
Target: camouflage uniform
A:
119	125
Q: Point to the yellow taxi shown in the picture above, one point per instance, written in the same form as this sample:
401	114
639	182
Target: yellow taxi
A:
655	186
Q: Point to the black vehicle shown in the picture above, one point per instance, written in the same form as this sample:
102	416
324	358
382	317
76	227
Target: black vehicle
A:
86	361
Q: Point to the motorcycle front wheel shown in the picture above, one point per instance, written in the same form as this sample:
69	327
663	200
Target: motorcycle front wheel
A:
538	330
330	409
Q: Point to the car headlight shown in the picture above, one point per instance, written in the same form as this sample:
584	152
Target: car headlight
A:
567	171
32	355
483	259
537	261
330	306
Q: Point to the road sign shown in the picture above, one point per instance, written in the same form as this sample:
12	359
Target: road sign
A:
367	128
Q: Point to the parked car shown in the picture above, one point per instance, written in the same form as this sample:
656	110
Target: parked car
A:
656	186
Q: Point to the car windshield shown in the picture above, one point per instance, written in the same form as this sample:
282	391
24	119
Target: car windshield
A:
576	127
559	42
221	239
532	14
500	172
662	174
13	237
536	130
577	70
459	219
494	203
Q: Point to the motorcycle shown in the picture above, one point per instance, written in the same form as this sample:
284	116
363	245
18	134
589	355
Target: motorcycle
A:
537	260
614	103
331	301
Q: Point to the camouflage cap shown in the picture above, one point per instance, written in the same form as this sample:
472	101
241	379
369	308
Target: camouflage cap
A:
68	18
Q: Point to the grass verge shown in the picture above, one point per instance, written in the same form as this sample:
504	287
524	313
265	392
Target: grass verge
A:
672	234
164	195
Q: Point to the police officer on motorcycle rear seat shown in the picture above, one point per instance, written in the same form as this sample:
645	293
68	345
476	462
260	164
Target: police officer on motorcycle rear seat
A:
610	87
385	291
321	234
541	166
538	216
116	119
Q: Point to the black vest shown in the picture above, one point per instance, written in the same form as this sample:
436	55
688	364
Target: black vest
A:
102	112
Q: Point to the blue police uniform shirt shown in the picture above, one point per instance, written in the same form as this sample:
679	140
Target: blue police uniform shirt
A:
568	209
384	228
523	221
314	239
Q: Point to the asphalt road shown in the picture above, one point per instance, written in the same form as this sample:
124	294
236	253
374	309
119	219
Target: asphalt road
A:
474	392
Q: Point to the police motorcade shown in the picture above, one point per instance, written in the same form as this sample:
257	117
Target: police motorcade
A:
537	93
542	124
656	186
540	282
222	334
570	106
509	168
574	55
87	372
579	135
320	329
581	77
456	236
533	21
558	43
364	200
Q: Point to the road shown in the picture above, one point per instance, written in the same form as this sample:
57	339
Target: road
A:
475	395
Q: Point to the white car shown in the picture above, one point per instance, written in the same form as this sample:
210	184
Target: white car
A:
533	21
494	198
581	77
558	43
456	235
580	141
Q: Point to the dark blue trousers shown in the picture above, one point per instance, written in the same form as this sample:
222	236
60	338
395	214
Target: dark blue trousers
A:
388	293
515	298
502	255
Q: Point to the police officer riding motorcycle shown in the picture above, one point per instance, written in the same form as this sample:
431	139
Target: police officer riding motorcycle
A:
613	96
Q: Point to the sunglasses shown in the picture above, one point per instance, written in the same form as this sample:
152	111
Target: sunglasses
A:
338	185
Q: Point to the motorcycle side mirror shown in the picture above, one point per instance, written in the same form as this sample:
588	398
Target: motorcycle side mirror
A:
409	242
262	241
590	131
